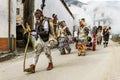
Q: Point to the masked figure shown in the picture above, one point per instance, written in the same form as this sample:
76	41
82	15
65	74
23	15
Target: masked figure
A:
82	37
63	33
40	39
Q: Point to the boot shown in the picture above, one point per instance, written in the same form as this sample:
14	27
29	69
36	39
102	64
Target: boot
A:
69	51
76	45
83	54
50	66
79	54
63	52
31	69
106	44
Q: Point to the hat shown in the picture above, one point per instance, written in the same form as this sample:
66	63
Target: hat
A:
83	19
38	11
53	15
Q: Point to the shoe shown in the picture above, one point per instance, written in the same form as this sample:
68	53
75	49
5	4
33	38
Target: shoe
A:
31	69
83	53
50	66
79	54
69	51
63	52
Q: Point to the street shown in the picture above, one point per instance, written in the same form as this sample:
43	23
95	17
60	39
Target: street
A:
40	24
102	64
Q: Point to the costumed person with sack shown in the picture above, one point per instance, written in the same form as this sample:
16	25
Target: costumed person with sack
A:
82	37
55	23
63	34
40	40
53	31
99	35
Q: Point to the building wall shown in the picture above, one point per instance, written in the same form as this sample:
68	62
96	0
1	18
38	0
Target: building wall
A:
80	13
19	12
4	23
56	6
13	21
13	18
4	18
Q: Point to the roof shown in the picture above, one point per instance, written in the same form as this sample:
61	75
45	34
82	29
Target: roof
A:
23	1
65	5
75	2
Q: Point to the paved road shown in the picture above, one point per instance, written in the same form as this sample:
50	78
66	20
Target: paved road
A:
114	72
96	65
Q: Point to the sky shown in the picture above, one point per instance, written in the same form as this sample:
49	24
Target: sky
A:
85	1
111	8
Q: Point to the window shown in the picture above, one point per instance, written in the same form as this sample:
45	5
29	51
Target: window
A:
18	11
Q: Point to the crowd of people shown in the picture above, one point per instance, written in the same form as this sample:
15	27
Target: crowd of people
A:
87	38
49	33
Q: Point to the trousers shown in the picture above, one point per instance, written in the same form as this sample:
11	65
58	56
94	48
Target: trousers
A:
39	47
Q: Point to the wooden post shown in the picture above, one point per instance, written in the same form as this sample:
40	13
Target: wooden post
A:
28	12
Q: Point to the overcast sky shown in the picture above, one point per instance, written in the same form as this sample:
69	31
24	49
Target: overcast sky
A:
110	7
96	0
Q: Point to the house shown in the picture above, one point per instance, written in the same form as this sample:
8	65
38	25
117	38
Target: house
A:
7	24
11	15
19	12
58	7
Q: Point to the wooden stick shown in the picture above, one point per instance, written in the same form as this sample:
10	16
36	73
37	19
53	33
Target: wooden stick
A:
26	47
25	52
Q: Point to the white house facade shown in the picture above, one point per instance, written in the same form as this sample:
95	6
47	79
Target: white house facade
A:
57	7
7	23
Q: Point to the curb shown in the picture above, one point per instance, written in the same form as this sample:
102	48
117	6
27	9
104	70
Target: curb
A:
6	56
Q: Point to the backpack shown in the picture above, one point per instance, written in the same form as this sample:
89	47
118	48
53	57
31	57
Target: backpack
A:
41	32
68	31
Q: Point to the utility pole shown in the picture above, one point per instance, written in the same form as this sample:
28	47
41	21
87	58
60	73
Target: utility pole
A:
28	16
28	12
9	23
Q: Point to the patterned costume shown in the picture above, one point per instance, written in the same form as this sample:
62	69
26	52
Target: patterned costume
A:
83	32
81	44
99	35
94	35
53	31
63	39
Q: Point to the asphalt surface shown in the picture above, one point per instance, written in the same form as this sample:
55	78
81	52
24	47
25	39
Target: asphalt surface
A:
101	64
